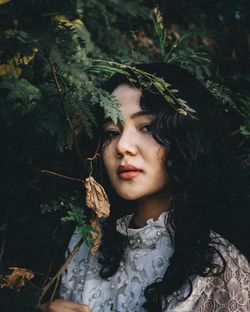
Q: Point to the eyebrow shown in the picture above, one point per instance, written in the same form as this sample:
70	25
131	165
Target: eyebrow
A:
135	115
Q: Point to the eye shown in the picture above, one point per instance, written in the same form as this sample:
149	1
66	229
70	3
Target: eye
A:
147	128
110	134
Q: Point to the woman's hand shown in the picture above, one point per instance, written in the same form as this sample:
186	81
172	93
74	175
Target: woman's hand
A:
64	306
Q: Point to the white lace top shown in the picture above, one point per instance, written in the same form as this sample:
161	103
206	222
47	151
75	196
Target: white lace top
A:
147	258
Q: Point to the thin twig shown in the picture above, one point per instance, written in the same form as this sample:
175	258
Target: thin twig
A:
235	132
2	249
58	175
59	272
30	185
96	151
55	288
59	90
4	239
50	267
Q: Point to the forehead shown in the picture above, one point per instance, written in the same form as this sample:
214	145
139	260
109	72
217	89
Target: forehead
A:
128	97
125	90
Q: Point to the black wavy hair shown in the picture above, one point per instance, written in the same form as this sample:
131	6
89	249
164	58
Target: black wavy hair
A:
203	178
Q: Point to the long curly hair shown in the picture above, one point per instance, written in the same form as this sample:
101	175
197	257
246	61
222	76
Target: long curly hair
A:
203	180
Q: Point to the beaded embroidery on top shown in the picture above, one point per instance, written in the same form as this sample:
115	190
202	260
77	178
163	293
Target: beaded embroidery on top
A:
146	259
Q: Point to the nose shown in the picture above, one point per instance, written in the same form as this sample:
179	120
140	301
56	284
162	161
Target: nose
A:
126	145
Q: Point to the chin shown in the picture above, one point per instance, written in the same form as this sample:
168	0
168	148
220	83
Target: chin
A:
128	195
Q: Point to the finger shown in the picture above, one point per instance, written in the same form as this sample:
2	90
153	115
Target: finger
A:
64	306
57	306
72	305
83	308
43	307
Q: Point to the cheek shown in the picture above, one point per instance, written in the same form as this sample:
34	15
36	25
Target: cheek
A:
158	164
162	152
156	154
107	156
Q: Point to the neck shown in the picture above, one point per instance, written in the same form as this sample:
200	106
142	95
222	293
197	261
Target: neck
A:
150	207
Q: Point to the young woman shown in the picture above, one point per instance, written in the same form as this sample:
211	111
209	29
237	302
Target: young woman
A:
175	200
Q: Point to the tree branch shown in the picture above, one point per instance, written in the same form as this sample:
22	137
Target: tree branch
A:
58	175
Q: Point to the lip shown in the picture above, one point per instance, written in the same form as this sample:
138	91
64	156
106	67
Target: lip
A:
127	172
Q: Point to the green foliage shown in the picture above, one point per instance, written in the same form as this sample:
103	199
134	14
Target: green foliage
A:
146	80
194	60
179	51
244	107
70	207
20	98
237	102
77	215
221	93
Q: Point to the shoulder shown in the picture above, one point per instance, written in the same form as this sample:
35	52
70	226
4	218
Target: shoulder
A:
229	291
234	260
77	250
75	268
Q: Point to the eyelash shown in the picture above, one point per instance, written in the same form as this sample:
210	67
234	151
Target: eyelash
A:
148	127
110	134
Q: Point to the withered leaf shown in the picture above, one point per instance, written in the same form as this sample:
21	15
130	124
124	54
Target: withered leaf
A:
94	223
17	278
96	198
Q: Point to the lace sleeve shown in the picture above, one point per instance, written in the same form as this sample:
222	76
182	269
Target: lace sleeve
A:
229	292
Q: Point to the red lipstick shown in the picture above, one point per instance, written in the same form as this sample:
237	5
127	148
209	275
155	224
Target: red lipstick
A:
127	172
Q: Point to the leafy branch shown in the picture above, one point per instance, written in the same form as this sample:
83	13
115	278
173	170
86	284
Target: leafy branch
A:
160	29
59	90
147	80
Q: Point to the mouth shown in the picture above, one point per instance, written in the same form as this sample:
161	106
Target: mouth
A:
127	172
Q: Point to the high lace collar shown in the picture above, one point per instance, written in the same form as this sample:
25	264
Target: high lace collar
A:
147	235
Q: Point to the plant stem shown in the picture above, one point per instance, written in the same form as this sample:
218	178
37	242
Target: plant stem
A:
61	97
59	272
58	175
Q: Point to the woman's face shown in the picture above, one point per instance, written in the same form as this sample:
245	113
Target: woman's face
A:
132	157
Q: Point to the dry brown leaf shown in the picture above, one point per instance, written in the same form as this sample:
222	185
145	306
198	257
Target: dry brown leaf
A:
17	278
4	1
173	34
208	41
96	198
96	236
